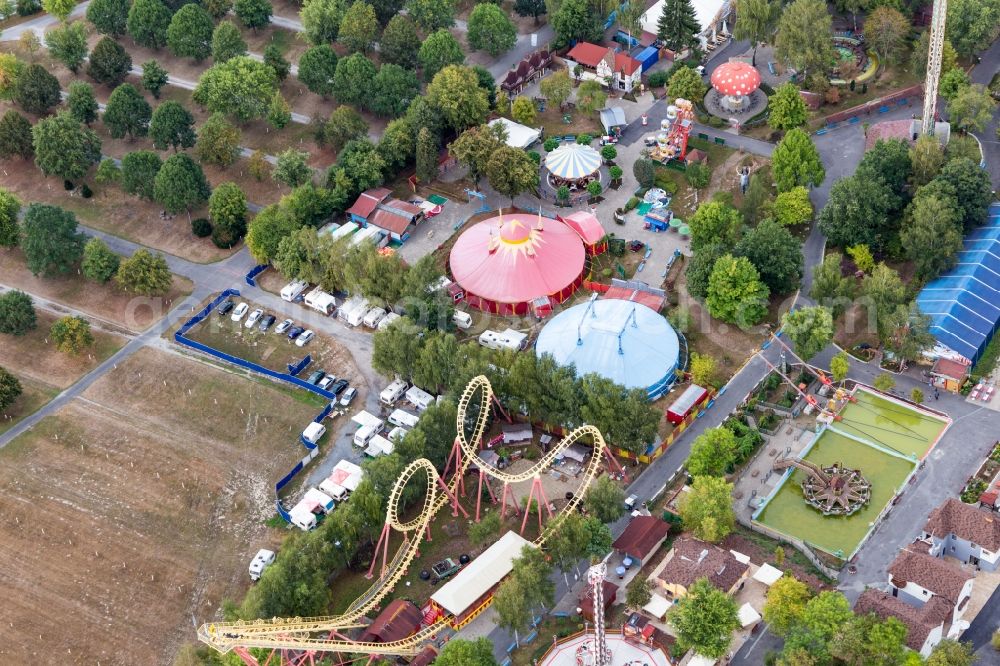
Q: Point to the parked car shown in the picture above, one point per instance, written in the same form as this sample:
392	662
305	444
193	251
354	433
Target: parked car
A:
294	332
609	139
303	339
254	318
266	322
636	245
326	381
239	312
224	307
315	377
283	326
348	396
338	386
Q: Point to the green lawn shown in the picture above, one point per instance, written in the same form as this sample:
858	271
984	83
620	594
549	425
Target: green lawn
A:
33	398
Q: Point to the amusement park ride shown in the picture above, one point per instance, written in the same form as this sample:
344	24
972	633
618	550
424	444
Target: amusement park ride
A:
671	142
295	641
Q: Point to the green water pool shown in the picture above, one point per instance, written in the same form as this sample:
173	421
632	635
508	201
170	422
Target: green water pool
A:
890	424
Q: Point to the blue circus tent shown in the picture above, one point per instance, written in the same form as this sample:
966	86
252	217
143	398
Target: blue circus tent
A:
964	303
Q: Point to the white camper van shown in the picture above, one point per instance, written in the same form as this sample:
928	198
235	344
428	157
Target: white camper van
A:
313	432
262	560
420	398
397	434
403	419
357	315
387	321
462	319
319	300
350	305
292	290
373	317
365	435
393	392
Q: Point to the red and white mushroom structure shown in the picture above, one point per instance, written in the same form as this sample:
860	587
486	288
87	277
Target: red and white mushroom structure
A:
735	82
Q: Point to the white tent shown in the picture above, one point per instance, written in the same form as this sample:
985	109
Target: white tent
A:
657	606
767	574
748	616
518	135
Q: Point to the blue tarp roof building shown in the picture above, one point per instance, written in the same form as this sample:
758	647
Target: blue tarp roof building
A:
964	303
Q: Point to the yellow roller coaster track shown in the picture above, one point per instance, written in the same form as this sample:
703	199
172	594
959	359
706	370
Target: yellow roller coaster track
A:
296	633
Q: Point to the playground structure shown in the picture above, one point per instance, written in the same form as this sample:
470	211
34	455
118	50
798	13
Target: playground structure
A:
834	490
297	640
672	140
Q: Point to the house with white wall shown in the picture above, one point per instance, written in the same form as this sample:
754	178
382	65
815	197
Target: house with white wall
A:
925	625
603	64
916	577
965	532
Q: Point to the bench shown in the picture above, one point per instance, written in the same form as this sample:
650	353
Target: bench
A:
770	68
719	140
854	121
883	109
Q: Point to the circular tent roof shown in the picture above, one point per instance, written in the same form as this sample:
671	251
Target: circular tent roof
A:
573	161
509	261
735	78
626	342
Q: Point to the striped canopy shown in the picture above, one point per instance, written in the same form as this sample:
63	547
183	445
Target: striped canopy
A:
572	161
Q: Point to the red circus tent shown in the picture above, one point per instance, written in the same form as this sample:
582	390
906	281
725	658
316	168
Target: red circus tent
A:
589	227
507	263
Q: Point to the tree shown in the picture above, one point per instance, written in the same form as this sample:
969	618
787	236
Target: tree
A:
918	61
624	416
950	652
605	500
127	113
787	110
63	147
431	15
906	333
108	16
639	593
933	237
241	87
574	21
258	165
756	21
71	334
17	313
462	652
227	206
358	28
392	90
15	136
361	160
109	62
138	173
439	50
775	253
321	20
884	382
276	61
10	207
888	161
218	8
972	109
456	94
862	256
678	27
345	124
189	34
557	87
474	147
512	607
81	102
523	110
712	452
147	23
809	328
145	273
352	80
735	292
486	530
108	172
49	240
490	30
426	156
180	184
292	168
317	67
266	230
511	171
972	25
10	70
859	210
532	8
823	618
715	222
885	291
793	207
36	91
154	77
803	39
10	389
279	114
704	620
972	190
590	96
926	159
533	571
172	126
227	42
785	604
68	45
253	13
953	82
218	141
400	43
685	83
795	160
886	30
59	8
99	263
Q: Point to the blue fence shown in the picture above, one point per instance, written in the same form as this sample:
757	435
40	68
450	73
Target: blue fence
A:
254	272
296	368
312	449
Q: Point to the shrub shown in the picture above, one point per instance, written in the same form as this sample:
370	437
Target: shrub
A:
584	139
615	172
68	185
201	227
223	237
550	145
86	192
631	203
594	189
562	193
535	156
658	79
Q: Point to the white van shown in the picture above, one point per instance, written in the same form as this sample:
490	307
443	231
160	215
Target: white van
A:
349	306
334	490
292	290
357	315
302	517
462	319
420	398
373	317
365	435
313	432
397	434
403	419
321	301
387	321
320	500
262	560
379	446
393	392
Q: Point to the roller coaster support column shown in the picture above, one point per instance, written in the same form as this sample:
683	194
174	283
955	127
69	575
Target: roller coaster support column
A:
483	479
456	466
248	659
537	493
455	506
498	406
382	545
508	493
614	464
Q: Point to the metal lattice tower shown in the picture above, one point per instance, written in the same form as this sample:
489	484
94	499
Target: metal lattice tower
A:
934	51
595	576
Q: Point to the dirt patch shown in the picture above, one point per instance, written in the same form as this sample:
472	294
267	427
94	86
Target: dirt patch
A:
134	313
34	395
752	544
131	531
34	354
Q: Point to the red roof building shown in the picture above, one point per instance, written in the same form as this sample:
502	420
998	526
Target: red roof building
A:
586	599
507	263
642	538
366	203
590	230
604	63
393	216
399	620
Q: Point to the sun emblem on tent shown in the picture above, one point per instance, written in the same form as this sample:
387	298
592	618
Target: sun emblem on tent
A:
514	235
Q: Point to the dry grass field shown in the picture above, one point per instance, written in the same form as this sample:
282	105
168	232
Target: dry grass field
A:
136	508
